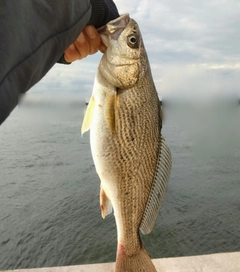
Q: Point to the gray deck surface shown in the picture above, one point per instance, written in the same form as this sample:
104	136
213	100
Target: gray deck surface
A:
222	262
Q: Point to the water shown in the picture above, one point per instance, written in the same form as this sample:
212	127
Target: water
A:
49	193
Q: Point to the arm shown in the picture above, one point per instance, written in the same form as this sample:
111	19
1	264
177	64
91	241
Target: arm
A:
35	34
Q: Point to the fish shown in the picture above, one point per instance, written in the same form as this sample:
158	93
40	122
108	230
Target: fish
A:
130	154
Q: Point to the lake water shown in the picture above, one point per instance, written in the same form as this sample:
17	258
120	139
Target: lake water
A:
49	190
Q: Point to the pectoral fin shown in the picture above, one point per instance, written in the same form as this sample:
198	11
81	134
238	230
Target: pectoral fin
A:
105	204
87	121
158	189
110	111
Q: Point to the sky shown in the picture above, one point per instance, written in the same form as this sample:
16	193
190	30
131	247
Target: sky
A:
193	48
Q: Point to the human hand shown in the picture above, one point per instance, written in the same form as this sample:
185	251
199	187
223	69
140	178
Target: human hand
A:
87	43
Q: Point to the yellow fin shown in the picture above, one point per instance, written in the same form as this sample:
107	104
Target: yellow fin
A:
105	204
87	121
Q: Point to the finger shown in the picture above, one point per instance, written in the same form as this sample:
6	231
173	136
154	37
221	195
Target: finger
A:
82	45
93	38
102	48
71	53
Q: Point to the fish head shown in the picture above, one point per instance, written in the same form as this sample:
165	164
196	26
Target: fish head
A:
121	64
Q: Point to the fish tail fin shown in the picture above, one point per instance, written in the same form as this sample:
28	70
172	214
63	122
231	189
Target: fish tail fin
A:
139	262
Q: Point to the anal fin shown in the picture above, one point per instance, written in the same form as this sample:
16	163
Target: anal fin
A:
158	189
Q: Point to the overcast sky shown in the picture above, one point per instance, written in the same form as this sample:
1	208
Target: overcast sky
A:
193	47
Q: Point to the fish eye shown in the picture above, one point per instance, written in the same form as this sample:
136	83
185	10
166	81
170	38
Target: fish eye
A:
132	41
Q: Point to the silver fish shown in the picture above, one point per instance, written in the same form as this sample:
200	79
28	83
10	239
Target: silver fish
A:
129	152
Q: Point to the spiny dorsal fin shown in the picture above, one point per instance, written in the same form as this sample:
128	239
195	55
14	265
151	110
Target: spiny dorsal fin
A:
158	189
87	121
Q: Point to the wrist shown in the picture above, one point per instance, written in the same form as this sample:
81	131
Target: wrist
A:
102	12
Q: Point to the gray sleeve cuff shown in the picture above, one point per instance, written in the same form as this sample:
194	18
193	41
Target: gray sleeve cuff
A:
102	12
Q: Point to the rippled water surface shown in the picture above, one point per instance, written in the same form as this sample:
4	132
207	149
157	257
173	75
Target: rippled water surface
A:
49	193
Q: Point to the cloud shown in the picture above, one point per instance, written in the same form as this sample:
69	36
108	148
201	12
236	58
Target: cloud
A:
192	45
76	77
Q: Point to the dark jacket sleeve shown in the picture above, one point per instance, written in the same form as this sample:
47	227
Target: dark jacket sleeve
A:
34	34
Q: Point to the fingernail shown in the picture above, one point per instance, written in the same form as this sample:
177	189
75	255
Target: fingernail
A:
102	48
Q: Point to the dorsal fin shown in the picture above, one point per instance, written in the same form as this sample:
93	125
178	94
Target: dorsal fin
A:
87	121
158	189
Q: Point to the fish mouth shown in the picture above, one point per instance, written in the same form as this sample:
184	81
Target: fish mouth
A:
113	29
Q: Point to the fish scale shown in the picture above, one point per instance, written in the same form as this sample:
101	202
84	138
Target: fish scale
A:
129	152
